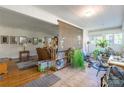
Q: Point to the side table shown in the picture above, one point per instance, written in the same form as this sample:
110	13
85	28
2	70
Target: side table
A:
24	55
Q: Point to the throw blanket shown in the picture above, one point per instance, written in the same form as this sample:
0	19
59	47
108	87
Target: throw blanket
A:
114	78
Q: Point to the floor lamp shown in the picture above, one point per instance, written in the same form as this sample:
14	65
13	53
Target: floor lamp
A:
88	42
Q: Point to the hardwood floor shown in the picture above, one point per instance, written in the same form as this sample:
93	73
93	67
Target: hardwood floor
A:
69	77
16	77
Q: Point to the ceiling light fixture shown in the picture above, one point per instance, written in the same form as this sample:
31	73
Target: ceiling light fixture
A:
89	12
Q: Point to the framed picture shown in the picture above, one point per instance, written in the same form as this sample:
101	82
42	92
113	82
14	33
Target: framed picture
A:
4	39
40	40
35	41
22	40
13	39
30	40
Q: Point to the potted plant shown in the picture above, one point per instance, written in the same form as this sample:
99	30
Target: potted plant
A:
101	45
96	52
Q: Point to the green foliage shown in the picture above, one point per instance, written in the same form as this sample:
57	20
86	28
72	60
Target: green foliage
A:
41	69
70	55
76	58
102	43
96	53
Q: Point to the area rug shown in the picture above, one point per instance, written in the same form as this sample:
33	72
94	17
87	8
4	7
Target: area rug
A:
45	81
25	65
95	65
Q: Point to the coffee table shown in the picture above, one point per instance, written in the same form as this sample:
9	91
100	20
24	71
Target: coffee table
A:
117	62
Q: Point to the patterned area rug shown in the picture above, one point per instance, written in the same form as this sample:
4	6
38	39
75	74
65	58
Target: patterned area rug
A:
45	81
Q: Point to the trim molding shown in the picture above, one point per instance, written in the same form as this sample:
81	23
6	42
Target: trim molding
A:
106	29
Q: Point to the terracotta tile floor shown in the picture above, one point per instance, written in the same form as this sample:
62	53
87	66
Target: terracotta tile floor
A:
78	78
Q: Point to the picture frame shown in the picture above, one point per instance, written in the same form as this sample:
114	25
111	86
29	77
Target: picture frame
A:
35	41
40	40
14	40
30	40
22	40
4	39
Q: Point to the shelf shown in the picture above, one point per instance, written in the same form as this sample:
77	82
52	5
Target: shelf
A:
61	58
59	51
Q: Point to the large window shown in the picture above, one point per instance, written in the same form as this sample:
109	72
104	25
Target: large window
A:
118	38
110	38
93	39
115	38
99	37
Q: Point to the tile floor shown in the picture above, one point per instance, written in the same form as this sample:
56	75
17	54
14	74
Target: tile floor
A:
78	78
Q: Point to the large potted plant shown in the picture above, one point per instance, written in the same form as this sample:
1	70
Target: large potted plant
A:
76	58
101	45
96	53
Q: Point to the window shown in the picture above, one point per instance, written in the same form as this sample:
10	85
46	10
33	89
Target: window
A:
110	38
114	38
93	39
118	38
99	37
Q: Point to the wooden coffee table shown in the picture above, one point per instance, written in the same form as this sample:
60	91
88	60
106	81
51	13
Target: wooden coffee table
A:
116	63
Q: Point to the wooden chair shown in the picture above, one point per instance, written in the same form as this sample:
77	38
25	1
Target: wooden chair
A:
4	67
43	54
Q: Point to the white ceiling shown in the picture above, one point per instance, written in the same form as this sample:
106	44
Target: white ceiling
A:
104	16
17	20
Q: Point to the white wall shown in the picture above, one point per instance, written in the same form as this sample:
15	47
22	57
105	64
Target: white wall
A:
107	31
34	12
85	39
12	51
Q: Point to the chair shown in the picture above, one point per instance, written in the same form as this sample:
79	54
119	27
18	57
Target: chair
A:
103	66
4	66
43	54
45	58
